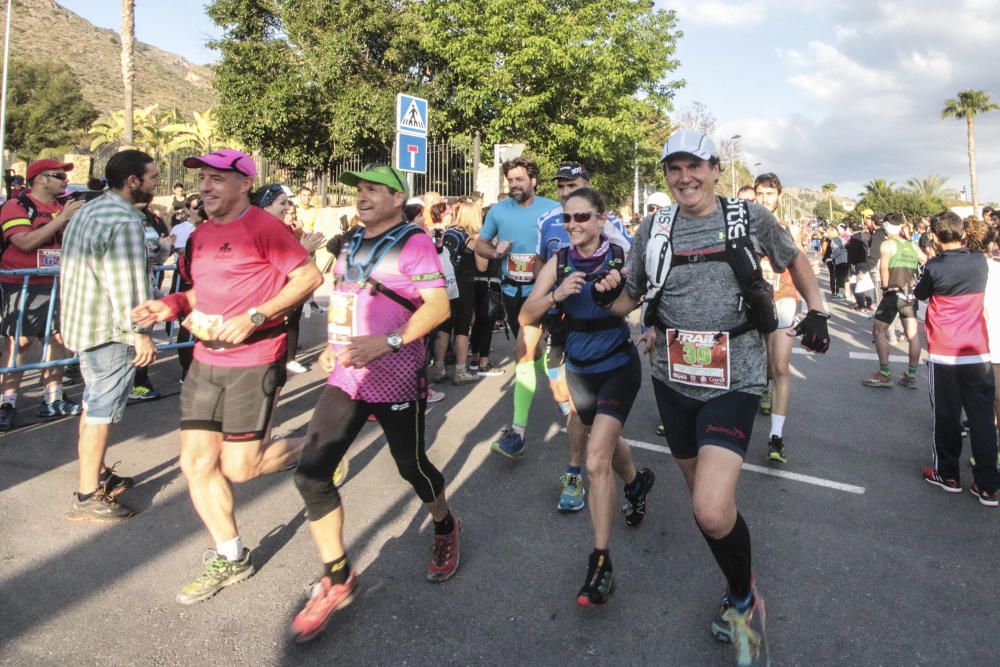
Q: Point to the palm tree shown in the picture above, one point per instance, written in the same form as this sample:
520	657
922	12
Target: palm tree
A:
149	123
968	104
828	188
128	66
933	186
202	135
878	186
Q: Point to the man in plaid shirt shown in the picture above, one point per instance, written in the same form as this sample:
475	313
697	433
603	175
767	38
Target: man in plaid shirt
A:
104	276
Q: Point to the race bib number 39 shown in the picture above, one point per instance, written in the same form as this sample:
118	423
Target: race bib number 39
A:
519	267
700	359
48	258
340	318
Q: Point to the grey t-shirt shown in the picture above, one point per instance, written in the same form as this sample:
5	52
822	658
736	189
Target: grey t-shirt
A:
704	296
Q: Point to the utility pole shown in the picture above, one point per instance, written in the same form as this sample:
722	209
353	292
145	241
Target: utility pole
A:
732	156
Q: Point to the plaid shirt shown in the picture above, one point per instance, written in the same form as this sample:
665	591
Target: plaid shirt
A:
104	273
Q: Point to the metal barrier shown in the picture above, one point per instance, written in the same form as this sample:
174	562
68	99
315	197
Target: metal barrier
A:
27	274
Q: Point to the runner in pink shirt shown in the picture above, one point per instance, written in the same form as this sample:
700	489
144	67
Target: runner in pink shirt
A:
389	293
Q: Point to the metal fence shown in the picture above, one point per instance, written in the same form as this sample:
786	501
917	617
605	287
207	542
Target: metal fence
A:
168	339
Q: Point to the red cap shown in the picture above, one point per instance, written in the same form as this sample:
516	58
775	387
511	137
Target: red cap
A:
38	166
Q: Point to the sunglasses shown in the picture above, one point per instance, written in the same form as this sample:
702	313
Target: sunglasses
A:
374	165
577	217
58	176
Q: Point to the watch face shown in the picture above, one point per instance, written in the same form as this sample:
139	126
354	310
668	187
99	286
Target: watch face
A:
257	319
395	341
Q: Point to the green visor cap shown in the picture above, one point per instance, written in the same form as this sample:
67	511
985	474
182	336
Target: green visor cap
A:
383	174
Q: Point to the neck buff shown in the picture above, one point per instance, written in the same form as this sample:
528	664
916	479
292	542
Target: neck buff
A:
588	264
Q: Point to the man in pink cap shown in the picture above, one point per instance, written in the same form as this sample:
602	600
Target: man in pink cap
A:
33	224
247	271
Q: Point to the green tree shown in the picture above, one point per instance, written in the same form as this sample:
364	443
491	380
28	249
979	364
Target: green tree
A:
202	135
878	186
968	105
45	107
914	205
311	82
150	129
831	211
829	189
931	186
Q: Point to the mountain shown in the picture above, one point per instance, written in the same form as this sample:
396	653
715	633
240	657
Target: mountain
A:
45	29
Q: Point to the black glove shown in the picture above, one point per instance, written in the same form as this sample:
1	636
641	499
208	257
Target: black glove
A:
815	334
605	299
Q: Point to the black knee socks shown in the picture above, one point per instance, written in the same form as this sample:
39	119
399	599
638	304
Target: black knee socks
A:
338	571
732	553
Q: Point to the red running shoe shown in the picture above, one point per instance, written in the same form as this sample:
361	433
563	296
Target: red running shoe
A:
931	476
444	562
325	597
987	498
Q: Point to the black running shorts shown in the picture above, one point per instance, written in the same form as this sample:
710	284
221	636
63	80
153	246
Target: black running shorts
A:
610	393
690	424
238	402
895	303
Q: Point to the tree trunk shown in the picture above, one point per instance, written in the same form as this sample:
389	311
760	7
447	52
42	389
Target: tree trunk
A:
971	121
128	67
830	202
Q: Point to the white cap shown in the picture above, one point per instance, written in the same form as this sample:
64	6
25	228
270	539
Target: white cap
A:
692	142
415	201
658	199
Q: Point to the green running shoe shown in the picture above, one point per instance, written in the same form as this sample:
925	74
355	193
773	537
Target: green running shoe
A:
573	493
765	402
776	449
747	633
218	574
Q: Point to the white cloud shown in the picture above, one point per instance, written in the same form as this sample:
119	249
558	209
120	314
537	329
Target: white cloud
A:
719	12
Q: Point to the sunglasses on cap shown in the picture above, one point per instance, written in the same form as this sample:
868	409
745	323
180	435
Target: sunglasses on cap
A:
583	216
378	165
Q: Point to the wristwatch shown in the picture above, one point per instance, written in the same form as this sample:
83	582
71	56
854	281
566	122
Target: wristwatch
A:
256	317
395	341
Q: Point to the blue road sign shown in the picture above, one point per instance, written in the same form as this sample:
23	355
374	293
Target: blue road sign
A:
411	115
411	153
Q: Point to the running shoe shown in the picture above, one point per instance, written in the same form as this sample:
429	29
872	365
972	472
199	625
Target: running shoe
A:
100	508
987	498
879	379
436	373
473	368
433	396
908	381
634	508
113	484
661	431
510	444
748	634
141	393
600	582
490	371
445	554
776	449
295	367
60	408
324	598
765	402
340	474
463	376
931	476
721	629
573	493
218	574
7	414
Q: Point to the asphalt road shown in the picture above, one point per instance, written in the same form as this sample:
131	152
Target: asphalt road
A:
859	560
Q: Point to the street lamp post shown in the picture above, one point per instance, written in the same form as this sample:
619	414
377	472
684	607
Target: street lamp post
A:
755	165
732	158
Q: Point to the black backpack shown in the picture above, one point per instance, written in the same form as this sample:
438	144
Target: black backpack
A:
455	240
29	207
756	294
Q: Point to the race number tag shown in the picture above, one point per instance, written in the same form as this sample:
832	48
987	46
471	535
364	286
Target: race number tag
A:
48	258
519	267
341	317
699	358
203	326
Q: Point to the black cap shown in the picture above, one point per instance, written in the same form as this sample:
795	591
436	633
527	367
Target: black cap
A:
571	170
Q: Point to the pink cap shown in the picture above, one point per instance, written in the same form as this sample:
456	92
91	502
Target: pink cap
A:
226	159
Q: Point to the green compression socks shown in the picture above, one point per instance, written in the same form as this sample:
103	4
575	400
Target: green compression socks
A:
524	391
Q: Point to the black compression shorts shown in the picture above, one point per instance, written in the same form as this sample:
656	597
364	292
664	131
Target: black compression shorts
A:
690	424
238	402
609	393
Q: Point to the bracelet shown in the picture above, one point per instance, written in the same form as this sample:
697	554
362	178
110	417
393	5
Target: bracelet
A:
554	301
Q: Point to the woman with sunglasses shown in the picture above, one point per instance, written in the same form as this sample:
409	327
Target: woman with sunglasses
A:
603	371
275	199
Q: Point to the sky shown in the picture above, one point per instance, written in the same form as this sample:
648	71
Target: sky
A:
840	91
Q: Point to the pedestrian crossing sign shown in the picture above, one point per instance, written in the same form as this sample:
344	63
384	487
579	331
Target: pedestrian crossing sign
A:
411	115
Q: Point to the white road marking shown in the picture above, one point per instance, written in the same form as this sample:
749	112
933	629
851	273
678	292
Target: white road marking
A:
866	356
794	476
